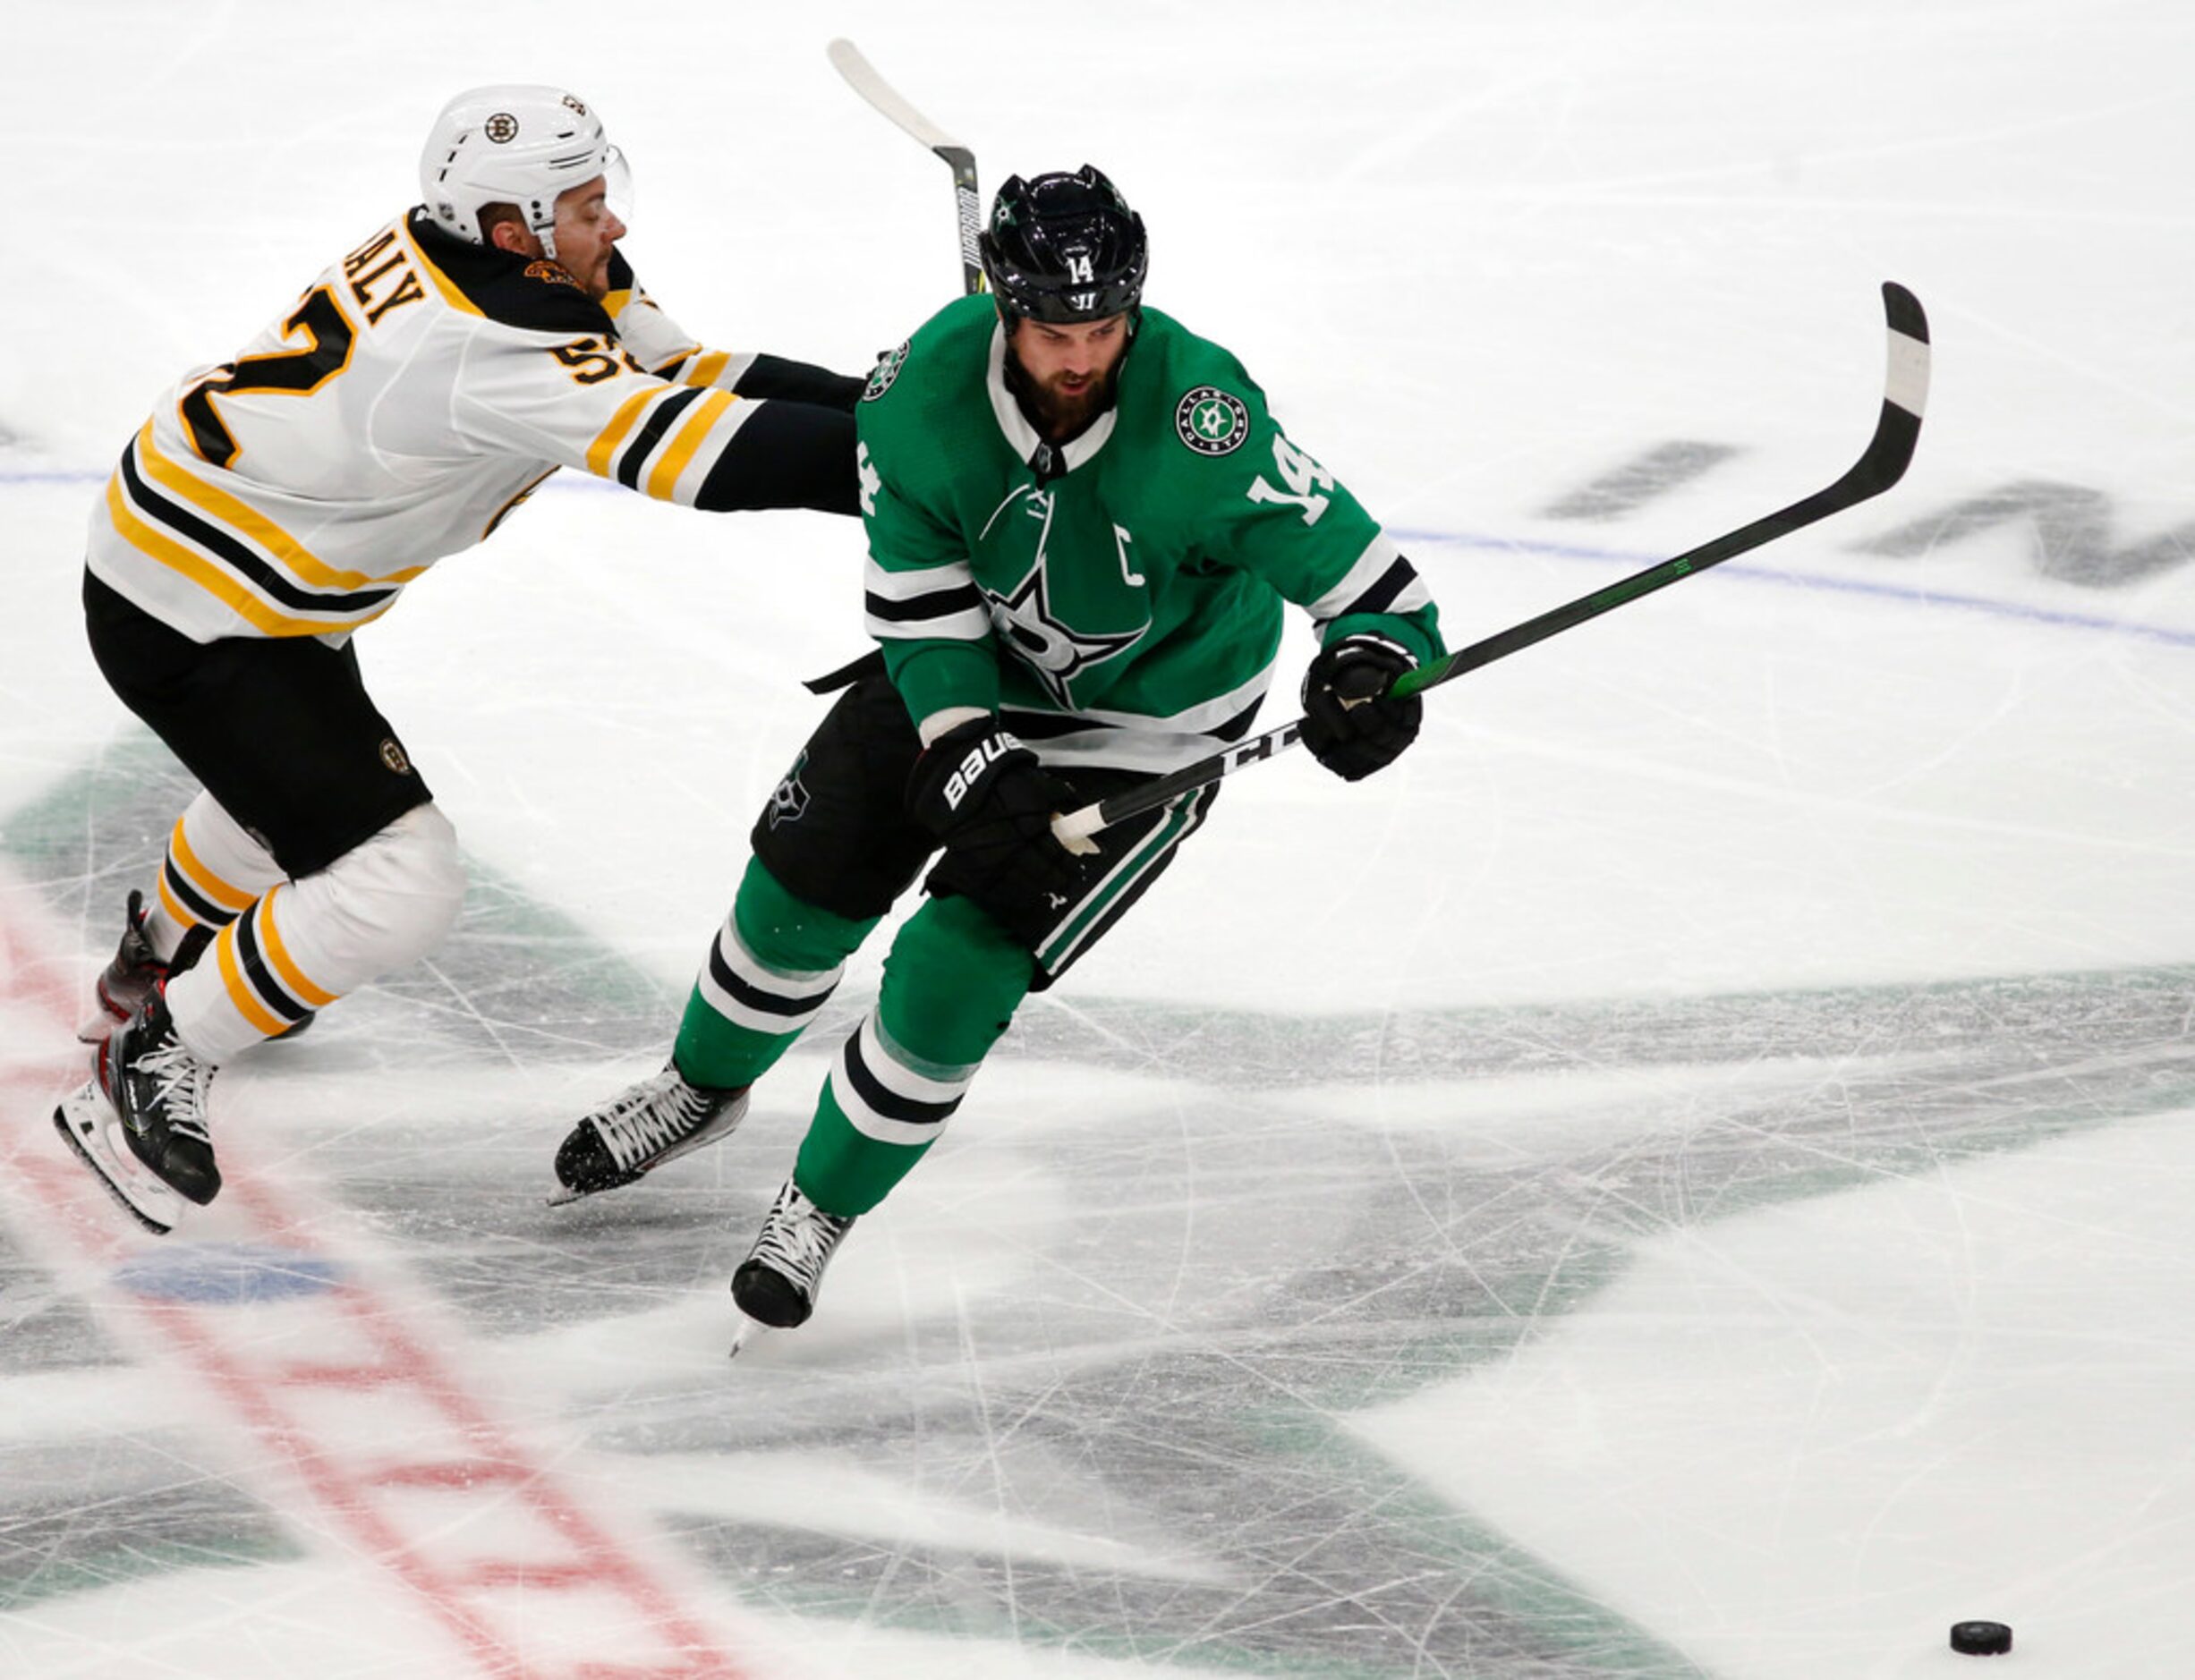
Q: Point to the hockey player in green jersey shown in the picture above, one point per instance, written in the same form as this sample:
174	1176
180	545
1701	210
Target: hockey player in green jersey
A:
1084	526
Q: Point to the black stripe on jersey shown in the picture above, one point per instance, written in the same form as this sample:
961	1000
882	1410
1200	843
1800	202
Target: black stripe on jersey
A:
883	1100
1382	595
1033	725
509	286
261	979
1047	725
936	604
203	910
754	997
270	582
643	445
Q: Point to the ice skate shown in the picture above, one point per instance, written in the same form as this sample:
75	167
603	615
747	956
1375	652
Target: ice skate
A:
140	1123
775	1287
124	983
656	1121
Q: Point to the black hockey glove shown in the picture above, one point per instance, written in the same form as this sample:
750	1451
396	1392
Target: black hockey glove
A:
991	805
1348	726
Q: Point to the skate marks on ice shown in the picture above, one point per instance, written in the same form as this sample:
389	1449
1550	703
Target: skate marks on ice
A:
1137	1297
518	983
103	1483
275	1346
1085	1382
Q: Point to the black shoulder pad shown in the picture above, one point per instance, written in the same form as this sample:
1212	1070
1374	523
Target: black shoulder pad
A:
505	286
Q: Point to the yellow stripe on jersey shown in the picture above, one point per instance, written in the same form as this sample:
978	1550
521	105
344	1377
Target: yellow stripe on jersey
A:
673	366
203	878
705	370
218	583
251	522
239	989
663	477
604	447
451	294
278	955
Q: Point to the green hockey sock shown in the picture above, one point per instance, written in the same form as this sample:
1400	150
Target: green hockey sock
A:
951	985
772	966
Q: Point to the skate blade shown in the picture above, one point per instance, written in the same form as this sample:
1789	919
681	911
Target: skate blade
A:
564	1195
90	1125
747	1333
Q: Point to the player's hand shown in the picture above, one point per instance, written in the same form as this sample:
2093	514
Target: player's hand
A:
990	804
1350	723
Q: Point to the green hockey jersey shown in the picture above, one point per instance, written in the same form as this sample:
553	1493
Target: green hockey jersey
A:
1118	600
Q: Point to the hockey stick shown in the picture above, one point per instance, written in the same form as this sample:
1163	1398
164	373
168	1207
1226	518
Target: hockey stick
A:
1883	462
861	77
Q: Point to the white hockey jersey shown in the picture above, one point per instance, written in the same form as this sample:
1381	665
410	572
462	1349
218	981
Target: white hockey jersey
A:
421	388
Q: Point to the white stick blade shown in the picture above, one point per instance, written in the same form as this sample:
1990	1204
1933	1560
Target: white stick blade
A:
861	76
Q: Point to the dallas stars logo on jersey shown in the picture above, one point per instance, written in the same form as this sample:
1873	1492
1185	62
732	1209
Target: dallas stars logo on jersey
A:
1055	652
881	375
1211	422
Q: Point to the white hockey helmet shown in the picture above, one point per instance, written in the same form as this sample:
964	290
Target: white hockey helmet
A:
513	143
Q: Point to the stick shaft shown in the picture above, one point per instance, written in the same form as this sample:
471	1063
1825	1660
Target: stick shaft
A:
1883	461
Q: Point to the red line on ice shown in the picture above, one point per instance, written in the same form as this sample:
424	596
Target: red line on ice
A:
492	1461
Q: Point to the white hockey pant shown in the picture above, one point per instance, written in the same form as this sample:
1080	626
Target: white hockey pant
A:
301	945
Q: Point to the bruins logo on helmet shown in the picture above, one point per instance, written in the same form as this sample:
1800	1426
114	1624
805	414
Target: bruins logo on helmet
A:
393	756
501	128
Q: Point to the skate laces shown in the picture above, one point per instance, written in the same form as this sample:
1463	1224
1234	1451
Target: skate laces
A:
181	1087
653	1115
798	1239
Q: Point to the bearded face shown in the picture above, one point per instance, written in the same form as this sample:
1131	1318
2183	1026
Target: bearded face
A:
1066	374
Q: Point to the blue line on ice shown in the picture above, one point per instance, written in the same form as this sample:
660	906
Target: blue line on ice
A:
1560	551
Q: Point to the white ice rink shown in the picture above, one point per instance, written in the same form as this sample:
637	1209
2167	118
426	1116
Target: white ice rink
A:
1688	1176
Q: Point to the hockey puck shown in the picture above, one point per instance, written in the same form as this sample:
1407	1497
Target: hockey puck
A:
1981	1639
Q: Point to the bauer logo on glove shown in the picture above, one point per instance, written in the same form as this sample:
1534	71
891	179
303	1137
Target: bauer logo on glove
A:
986	753
989	802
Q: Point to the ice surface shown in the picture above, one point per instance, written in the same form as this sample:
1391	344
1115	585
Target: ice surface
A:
1684	1176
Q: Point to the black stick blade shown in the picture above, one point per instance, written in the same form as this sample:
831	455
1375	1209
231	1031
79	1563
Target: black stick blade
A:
1906	386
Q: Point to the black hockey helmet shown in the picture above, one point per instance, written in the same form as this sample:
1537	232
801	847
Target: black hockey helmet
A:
1064	248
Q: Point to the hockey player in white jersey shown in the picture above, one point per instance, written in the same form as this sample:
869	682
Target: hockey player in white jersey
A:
420	389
